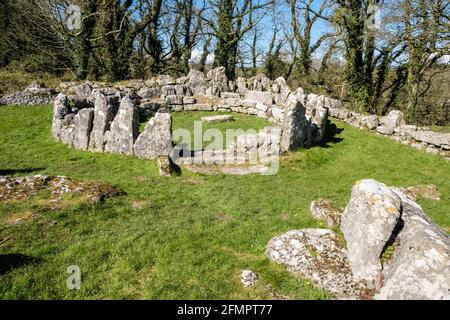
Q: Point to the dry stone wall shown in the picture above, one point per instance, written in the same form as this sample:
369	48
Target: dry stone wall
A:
106	119
394	126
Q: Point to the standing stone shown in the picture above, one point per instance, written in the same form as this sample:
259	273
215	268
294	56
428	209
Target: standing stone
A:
294	125
156	140
367	224
241	85
105	110
197	82
83	125
60	110
261	82
124	128
219	81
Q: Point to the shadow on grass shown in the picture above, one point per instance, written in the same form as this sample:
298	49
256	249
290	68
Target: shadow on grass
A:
11	172
12	261
330	137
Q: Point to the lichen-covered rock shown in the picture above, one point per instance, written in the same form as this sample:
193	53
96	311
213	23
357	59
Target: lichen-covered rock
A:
249	278
124	128
219	118
19	188
258	96
280	86
83	90
60	110
367	224
261	82
241	85
323	209
105	109
371	122
149	93
393	119
165	166
83	126
431	137
197	82
219	81
420	265
316	254
156	140
294	125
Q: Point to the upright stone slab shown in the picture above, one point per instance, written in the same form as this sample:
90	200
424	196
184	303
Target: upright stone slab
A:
83	125
294	125
105	110
156	140
367	224
124	128
219	81
60	110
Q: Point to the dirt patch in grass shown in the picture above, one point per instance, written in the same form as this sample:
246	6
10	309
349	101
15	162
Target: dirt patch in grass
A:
55	192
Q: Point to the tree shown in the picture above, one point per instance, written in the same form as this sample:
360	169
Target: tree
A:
229	27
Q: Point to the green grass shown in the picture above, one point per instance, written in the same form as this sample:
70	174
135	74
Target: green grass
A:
186	120
194	233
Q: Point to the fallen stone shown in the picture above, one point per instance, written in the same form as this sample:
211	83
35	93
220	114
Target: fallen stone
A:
420	265
316	254
431	137
219	118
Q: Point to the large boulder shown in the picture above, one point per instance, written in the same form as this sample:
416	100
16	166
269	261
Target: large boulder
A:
124	128
105	109
367	224
420	265
316	254
394	246
294	125
156	140
83	125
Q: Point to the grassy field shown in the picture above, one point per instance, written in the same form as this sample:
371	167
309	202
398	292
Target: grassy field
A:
185	237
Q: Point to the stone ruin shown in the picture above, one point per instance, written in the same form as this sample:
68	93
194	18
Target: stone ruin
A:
105	119
390	249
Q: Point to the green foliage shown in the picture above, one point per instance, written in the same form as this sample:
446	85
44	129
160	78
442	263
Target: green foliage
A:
186	237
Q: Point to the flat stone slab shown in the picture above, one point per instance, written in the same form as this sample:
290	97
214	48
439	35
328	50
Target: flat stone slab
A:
228	170
220	118
317	254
